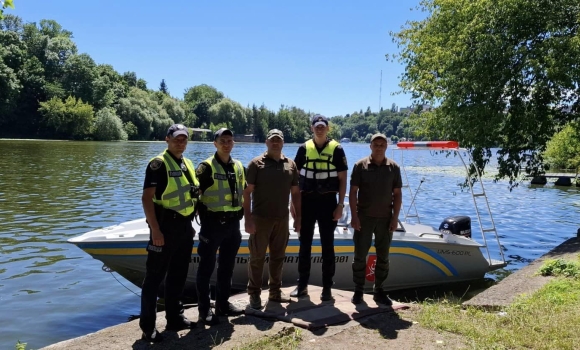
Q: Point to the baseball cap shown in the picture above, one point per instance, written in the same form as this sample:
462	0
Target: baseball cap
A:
319	119
379	136
222	132
275	133
176	130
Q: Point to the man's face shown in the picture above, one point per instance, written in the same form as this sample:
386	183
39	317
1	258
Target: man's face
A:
275	144
224	144
320	130
176	144
379	147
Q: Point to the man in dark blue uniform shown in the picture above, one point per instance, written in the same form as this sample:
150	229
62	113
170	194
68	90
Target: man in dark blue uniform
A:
169	198
222	181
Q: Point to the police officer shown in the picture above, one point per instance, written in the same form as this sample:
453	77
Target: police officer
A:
169	199
322	165
222	181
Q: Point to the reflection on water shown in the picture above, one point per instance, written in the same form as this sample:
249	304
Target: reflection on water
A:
52	190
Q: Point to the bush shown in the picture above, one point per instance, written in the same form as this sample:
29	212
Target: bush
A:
563	150
108	126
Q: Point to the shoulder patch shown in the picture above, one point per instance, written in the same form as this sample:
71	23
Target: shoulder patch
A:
339	147
200	169
155	164
344	160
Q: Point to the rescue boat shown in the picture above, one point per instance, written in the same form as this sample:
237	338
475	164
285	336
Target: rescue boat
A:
420	255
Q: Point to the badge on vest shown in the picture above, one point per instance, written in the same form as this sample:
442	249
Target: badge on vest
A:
220	176
175	173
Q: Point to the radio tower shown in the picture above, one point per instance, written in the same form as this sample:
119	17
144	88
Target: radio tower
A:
381	90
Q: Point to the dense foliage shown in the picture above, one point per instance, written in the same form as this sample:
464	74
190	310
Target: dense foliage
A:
50	90
502	73
563	150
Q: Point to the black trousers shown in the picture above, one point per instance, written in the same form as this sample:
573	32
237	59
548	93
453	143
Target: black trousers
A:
216	234
317	208
170	262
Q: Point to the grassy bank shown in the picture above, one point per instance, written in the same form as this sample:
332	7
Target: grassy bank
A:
547	319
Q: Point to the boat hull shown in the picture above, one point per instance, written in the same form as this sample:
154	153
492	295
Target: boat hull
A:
419	256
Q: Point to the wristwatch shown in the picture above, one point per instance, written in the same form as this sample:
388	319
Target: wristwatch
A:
341	204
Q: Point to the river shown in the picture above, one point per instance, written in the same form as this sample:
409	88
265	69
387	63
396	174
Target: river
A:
54	190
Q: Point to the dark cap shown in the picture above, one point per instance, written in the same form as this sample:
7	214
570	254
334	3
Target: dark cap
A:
176	130
319	119
275	133
222	132
379	136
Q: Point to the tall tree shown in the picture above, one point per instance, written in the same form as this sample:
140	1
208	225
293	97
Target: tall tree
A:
503	73
163	87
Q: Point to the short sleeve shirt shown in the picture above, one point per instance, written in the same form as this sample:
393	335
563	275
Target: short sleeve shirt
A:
273	180
376	184
338	157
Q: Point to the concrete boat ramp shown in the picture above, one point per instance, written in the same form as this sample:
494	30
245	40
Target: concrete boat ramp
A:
318	319
309	313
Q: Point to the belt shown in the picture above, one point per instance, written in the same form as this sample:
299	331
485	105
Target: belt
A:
171	215
223	215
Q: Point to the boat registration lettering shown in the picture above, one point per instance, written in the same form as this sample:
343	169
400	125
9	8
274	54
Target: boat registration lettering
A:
294	259
454	252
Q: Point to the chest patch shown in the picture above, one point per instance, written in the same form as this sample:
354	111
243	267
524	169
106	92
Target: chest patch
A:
175	173
220	176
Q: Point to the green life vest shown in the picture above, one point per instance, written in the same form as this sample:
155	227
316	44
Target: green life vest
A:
318	173
177	194
218	197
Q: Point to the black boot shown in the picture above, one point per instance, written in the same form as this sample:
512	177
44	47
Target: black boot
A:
300	291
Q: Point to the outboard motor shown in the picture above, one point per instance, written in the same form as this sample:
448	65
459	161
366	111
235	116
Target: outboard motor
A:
457	225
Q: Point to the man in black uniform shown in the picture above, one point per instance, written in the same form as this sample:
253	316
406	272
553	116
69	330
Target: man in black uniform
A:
222	181
169	198
322	165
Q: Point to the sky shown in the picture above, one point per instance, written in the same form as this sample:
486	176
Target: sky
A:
322	56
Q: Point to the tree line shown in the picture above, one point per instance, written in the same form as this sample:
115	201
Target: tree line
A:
50	90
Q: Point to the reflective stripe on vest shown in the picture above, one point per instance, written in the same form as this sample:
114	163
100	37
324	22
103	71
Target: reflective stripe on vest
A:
218	197
177	194
318	173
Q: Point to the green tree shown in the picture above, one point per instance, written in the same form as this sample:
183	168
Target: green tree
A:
71	119
199	99
142	84
163	87
79	74
130	79
108	126
563	150
230	113
502	73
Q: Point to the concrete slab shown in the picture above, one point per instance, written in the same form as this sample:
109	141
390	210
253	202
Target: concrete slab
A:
232	332
524	281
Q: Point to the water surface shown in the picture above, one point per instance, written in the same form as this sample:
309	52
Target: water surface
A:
53	190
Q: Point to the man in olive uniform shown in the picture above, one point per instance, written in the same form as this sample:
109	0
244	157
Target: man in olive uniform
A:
169	199
322	165
221	181
272	177
375	201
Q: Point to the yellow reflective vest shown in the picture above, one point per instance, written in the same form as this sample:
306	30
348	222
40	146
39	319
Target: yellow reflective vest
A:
218	197
318	173
177	195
